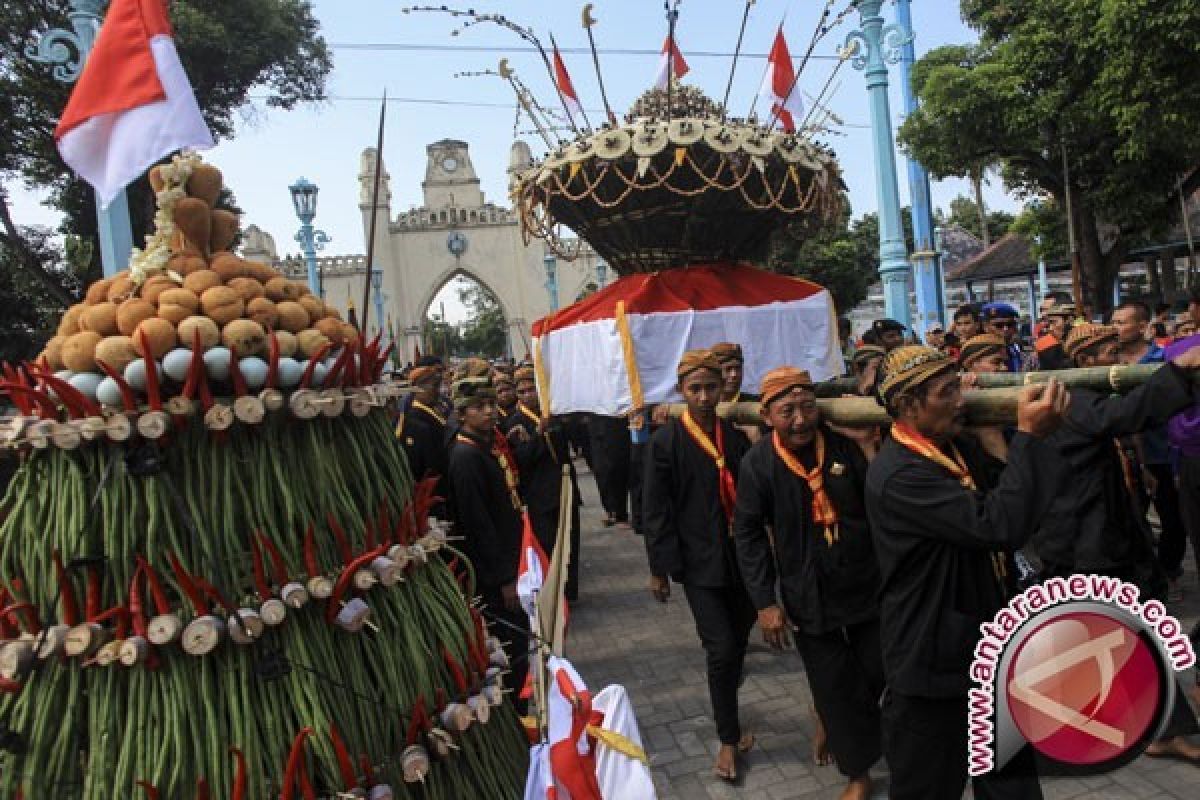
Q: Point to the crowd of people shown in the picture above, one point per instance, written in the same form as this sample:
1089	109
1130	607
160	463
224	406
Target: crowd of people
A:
878	551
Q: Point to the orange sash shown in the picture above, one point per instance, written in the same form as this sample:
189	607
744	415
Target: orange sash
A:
956	466
504	457
727	489
823	512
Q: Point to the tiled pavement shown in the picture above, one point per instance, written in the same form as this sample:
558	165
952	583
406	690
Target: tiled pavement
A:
619	634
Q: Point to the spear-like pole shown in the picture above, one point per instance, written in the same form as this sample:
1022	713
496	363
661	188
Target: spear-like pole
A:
672	15
818	34
508	75
737	51
366	312
588	22
582	112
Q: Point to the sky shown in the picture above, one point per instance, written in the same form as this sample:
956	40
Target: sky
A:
376	47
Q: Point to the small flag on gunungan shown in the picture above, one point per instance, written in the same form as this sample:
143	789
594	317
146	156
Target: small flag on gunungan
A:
779	85
562	79
670	63
133	103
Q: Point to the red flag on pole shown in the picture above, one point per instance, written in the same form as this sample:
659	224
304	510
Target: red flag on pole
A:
563	79
670	63
133	104
779	85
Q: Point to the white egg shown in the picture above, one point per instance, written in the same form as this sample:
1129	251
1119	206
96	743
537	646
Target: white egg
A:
135	374
254	370
176	364
86	383
108	392
290	372
64	375
217	360
318	376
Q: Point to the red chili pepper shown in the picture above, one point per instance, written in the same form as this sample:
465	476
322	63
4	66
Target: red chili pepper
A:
345	765
235	373
67	591
456	670
239	777
121	615
136	613
157	593
152	392
195	366
11	610
78	405
260	571
272	359
213	593
11	376
310	553
46	407
415	721
91	605
364	763
188	586
343	581
10	686
202	792
306	787
128	398
278	565
150	789
339	535
7	629
333	376
295	760
306	378
440	698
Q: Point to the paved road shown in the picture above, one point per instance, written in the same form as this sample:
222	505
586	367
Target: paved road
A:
620	635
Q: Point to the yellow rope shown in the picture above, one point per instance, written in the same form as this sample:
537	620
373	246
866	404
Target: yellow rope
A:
618	743
539	372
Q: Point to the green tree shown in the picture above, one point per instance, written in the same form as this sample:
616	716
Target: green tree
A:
26	325
1112	85
228	48
964	213
485	332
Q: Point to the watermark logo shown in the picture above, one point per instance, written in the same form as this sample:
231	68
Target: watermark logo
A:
1080	669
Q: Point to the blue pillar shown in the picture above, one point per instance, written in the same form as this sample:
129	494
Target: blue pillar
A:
68	52
1033	302
874	47
927	266
551	279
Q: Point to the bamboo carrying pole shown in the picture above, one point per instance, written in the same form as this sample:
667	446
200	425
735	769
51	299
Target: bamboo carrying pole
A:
994	402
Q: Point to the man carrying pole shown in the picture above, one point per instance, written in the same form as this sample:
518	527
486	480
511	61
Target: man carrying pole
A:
806	482
945	518
688	503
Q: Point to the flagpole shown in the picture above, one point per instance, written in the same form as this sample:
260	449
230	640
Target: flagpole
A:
562	96
736	52
507	74
588	22
374	216
672	15
821	29
55	47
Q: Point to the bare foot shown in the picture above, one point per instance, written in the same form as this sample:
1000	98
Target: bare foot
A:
726	766
1177	747
857	789
821	754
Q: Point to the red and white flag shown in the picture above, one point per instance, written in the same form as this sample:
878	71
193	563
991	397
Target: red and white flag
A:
133	104
670	63
779	85
562	79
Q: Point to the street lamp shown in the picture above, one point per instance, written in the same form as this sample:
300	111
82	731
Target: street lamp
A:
377	286
304	200
67	51
871	49
551	284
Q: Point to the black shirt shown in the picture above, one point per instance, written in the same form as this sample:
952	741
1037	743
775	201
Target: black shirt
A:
483	512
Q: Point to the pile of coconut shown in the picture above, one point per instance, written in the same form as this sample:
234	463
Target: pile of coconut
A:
187	286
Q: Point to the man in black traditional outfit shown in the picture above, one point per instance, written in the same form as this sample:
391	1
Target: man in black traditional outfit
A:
611	459
945	518
688	503
732	360
422	431
506	398
541	455
806	482
485	486
1098	524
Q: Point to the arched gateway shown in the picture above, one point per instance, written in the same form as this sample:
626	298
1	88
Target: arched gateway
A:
456	231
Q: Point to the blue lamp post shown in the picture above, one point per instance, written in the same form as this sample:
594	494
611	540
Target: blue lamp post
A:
304	200
551	265
377	287
873	48
927	267
67	51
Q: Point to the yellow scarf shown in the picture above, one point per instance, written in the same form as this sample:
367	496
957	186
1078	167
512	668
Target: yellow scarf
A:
823	512
536	420
956	466
727	489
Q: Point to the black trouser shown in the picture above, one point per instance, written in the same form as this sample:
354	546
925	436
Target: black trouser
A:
925	740
1172	541
845	673
724	617
1189	501
610	454
637	466
515	633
